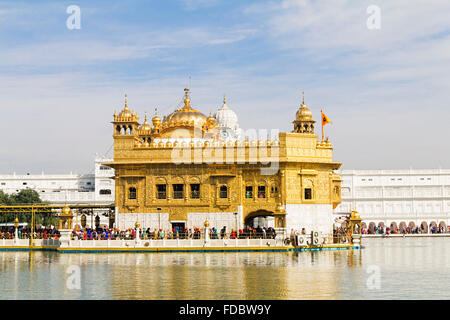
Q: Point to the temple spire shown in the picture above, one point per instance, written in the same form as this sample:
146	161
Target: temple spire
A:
187	100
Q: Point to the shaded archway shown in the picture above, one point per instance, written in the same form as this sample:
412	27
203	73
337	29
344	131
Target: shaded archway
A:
260	219
83	221
402	227
433	227
257	216
381	227
424	227
443	227
393	227
364	227
412	227
371	229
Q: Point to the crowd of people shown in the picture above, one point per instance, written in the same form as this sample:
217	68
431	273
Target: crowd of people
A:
144	233
405	230
195	233
175	233
25	233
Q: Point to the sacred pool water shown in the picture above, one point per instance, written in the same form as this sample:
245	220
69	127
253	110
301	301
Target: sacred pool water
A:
400	268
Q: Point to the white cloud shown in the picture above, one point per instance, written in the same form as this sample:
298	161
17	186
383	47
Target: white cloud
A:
91	51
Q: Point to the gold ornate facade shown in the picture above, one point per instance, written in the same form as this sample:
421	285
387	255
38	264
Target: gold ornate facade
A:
180	170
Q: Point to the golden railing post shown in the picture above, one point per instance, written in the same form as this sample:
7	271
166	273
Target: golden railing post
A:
32	227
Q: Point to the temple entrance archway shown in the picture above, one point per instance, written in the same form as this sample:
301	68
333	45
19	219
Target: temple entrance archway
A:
260	219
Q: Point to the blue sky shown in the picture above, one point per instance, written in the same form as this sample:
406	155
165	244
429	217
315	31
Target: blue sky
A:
386	90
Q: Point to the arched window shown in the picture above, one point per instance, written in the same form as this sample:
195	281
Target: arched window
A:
132	193
223	192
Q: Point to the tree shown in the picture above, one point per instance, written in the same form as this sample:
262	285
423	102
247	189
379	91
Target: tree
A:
26	197
4	198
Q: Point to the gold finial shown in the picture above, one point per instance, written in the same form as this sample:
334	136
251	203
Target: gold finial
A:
303	93
224	98
156	111
126	101
145	120
187	100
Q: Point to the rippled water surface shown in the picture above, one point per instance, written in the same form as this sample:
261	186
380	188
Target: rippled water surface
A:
410	268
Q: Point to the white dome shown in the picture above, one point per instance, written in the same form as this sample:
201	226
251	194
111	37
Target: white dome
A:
227	118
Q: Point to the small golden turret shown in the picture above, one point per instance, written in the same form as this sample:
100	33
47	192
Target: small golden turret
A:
145	126
211	121
304	122
156	119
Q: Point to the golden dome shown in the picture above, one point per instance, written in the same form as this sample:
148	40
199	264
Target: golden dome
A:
304	114
145	126
186	116
126	112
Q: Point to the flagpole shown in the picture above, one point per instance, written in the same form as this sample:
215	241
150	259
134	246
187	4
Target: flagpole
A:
321	118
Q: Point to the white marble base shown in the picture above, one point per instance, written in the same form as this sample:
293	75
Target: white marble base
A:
312	217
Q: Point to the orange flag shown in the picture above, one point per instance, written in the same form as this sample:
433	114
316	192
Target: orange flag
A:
325	120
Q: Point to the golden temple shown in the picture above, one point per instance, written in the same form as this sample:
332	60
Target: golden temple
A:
182	170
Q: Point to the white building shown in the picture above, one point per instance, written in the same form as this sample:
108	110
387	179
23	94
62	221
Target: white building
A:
397	198
72	189
96	188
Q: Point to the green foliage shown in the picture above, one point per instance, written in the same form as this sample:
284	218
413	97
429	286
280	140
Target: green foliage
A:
25	197
5	199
